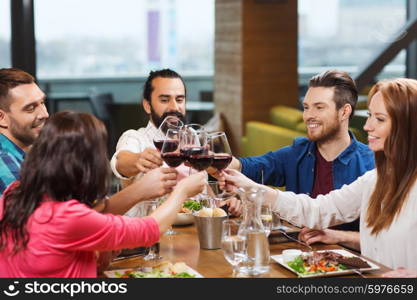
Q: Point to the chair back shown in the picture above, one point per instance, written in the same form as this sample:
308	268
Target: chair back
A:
100	104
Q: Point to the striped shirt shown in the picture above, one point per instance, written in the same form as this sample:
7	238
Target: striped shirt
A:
11	158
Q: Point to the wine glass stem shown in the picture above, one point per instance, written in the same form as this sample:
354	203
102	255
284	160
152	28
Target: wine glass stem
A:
235	271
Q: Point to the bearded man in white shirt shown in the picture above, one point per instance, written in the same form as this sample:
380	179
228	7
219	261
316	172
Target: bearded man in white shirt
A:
164	94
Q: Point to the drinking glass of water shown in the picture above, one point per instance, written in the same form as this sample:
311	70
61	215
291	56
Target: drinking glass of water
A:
266	217
233	244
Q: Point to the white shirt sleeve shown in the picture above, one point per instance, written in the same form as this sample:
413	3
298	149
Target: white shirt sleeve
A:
337	207
129	141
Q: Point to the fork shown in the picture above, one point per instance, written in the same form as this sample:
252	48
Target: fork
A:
296	240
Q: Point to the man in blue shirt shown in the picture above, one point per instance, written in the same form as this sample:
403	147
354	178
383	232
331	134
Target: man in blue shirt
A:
22	116
330	157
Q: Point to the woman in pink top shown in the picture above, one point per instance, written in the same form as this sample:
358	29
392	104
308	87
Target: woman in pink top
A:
47	225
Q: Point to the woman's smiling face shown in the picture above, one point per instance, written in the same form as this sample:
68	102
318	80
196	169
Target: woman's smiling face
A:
378	124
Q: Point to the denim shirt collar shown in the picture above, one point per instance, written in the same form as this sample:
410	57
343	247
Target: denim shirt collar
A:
343	157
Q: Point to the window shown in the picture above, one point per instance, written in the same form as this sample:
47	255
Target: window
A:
5	58
104	38
346	34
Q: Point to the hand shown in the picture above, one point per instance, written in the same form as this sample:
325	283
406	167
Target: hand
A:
234	179
192	185
326	236
104	259
214	172
234	206
148	160
401	272
157	182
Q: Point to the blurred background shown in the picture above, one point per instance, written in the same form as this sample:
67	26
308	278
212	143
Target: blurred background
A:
239	58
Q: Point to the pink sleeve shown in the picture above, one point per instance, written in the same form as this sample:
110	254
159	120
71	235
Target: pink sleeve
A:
77	227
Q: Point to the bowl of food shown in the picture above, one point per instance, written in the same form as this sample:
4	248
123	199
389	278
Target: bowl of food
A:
184	219
290	254
185	215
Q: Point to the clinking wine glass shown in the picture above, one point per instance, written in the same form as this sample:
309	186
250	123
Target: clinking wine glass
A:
233	244
147	208
196	148
222	156
170	151
170	122
172	156
217	194
193	141
221	150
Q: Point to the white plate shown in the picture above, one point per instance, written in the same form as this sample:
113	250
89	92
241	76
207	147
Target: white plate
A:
279	259
112	273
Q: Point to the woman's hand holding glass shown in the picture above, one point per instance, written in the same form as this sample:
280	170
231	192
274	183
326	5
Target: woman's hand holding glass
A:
233	179
162	180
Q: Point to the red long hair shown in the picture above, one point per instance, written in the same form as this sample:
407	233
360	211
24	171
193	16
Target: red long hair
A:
396	165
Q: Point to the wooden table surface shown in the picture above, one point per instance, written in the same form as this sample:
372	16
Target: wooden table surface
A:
184	247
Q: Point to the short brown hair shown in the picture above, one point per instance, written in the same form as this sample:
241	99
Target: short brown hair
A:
345	91
9	79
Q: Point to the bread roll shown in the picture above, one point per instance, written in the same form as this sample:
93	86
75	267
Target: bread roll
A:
219	212
205	212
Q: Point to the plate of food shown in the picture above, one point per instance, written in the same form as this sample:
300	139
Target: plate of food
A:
325	263
185	215
165	269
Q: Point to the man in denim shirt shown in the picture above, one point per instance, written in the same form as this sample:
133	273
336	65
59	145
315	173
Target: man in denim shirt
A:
22	116
340	159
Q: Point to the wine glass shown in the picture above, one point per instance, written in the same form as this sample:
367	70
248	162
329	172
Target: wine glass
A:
194	144
233	244
217	194
222	156
170	151
147	208
266	217
197	149
172	156
170	122
221	150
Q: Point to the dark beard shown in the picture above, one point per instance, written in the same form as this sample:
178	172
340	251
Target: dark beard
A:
158	120
327	136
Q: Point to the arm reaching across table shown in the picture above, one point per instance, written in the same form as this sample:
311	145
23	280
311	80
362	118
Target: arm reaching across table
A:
349	239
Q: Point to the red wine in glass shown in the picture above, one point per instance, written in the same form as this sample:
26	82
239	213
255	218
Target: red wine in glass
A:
221	161
158	144
170	145
200	162
172	159
187	151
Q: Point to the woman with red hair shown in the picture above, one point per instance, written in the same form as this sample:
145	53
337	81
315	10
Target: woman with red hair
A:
385	198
